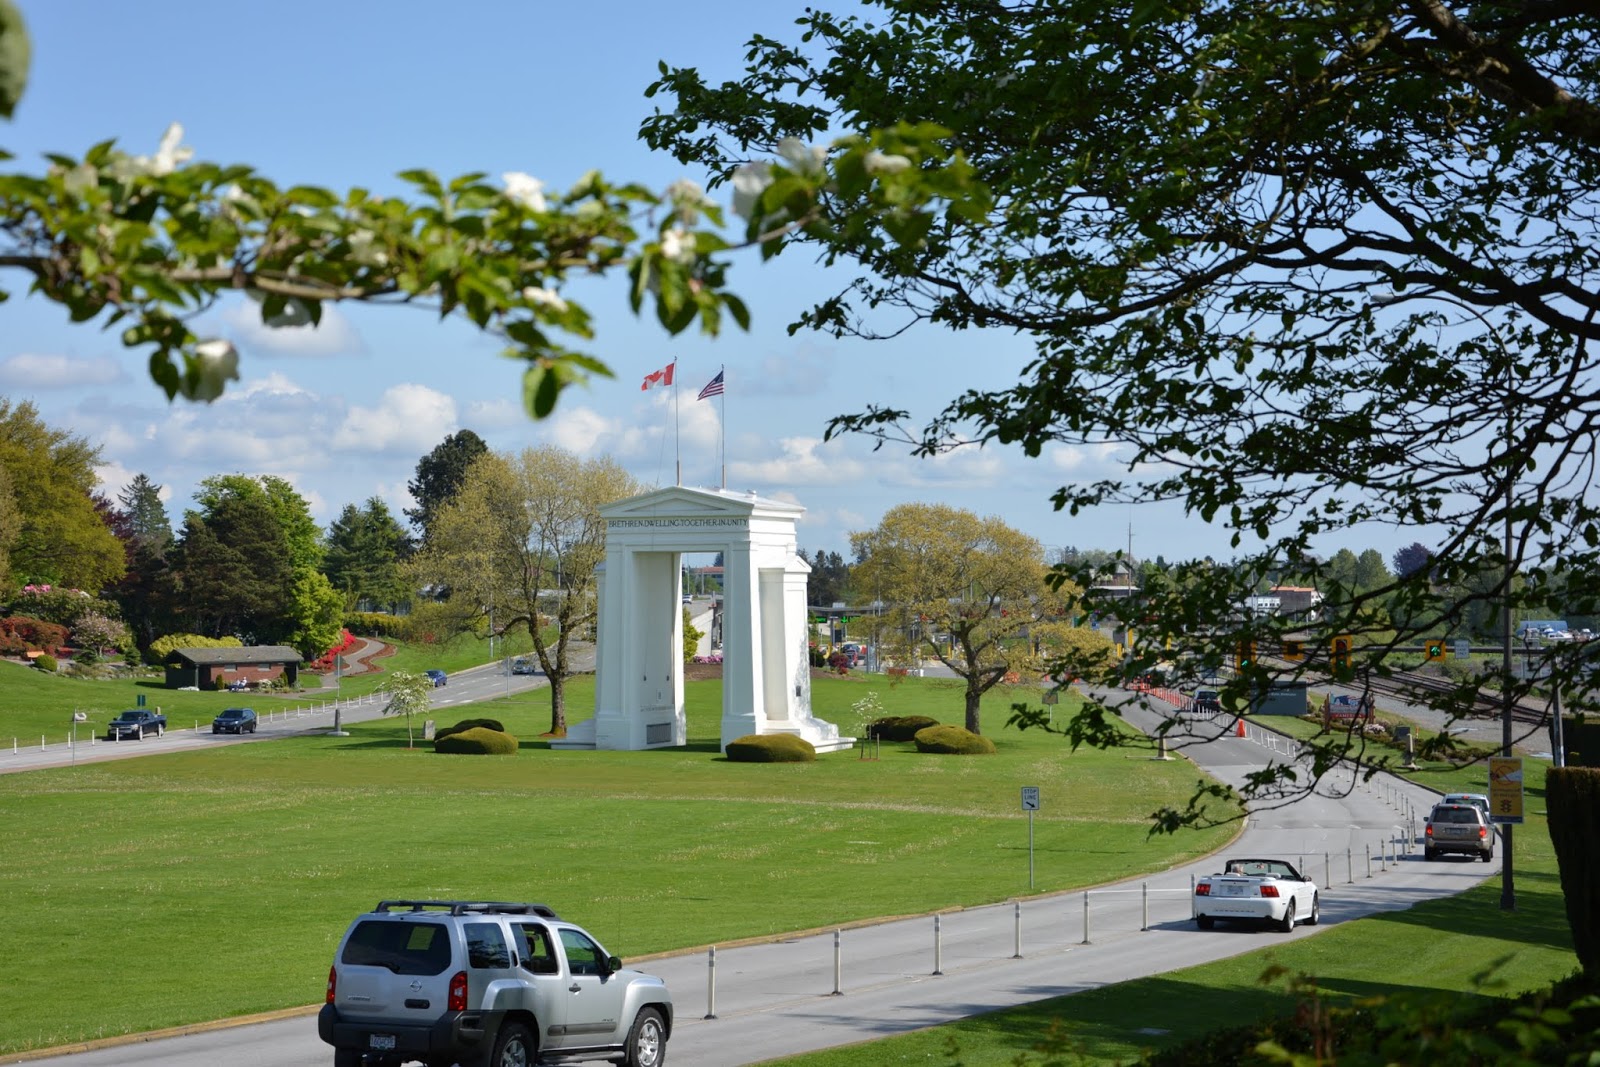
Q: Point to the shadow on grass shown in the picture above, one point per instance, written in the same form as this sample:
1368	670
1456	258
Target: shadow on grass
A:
1540	917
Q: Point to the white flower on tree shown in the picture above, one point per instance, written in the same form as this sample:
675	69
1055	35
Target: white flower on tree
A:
877	162
804	158
677	244
749	182
524	189
544	297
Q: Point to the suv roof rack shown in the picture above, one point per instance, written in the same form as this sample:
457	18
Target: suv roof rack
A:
464	907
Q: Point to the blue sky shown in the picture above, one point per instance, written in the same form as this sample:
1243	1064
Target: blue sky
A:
341	94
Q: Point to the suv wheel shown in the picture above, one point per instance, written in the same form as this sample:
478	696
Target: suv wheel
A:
647	1041
513	1048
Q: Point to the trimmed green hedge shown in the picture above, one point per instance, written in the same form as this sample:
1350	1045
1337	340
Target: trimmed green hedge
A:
1572	797
376	624
477	742
953	740
771	748
898	727
471	724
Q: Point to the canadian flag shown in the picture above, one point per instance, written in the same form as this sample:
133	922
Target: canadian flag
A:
660	377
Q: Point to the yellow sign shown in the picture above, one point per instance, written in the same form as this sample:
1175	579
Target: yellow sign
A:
1505	789
1433	650
1294	650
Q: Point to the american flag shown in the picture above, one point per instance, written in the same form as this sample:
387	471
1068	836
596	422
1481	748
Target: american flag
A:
713	387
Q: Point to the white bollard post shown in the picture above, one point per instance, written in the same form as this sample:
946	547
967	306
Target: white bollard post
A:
1327	868
1017	916
1085	916
1144	900
711	984
838	965
1350	865
1192	910
1367	849
41	742
938	947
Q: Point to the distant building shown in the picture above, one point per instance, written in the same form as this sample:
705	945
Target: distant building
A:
204	668
1298	600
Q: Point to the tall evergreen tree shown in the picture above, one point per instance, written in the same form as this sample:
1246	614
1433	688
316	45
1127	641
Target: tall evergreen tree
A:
365	548
147	515
234	574
439	477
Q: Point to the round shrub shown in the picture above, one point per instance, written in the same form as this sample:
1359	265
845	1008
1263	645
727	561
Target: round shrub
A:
771	748
898	727
471	724
954	740
45	662
477	742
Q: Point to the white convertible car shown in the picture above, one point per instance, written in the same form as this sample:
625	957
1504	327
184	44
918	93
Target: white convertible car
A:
1251	890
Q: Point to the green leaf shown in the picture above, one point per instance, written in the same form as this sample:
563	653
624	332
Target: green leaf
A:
737	309
14	57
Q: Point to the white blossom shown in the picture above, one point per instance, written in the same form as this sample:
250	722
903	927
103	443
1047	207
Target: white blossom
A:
365	251
80	179
218	362
877	162
688	199
544	297
749	182
803	158
677	244
524	189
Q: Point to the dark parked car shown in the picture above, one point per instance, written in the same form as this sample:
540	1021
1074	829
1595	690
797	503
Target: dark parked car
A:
438	677
235	721
135	723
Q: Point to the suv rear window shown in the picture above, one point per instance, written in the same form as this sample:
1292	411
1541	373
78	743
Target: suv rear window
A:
1455	815
403	947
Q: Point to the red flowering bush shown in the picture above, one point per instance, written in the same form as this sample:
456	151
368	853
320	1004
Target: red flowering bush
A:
325	662
19	634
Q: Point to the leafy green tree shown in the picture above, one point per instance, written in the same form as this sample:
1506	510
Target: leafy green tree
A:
1340	571
233	571
439	477
315	613
518	548
302	537
61	538
828	578
1412	559
364	550
10	524
409	695
1308	267
96	633
945	570
1371	572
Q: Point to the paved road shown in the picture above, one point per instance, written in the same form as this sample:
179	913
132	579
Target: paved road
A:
777	998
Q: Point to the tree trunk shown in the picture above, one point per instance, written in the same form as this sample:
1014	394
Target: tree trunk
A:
1572	797
974	701
558	705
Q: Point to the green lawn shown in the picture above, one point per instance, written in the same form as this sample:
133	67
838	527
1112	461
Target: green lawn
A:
1442	949
184	887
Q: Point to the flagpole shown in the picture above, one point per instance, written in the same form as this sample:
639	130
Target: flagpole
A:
722	446
677	456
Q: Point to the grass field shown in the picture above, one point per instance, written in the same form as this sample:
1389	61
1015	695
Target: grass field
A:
1441	950
185	887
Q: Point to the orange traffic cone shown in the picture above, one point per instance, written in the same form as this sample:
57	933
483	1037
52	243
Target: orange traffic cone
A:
1241	727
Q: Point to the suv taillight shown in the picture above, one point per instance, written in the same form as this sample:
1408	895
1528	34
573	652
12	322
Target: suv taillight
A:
1483	831
1269	890
458	992
333	981
1427	830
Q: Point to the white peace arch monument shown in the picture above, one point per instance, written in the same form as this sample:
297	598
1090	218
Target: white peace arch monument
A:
766	673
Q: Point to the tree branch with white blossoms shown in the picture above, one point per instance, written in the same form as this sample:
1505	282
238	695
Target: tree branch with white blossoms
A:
151	243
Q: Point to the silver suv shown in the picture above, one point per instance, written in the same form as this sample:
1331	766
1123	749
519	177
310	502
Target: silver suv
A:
1462	828
486	984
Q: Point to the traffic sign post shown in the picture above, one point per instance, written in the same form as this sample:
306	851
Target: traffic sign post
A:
1030	804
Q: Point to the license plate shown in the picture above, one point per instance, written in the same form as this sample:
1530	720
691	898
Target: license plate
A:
383	1042
1232	889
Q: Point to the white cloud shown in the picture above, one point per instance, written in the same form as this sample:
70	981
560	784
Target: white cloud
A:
409	419
497	414
32	370
800	461
334	336
585	431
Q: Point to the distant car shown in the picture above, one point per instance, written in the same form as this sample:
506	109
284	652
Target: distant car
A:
524	665
1477	800
687	599
234	721
438	677
135	723
1207	702
1257	890
857	653
1458	828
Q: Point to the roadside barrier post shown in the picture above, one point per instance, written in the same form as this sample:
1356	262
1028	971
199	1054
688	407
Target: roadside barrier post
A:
838	965
1368	850
41	742
938	947
1350	865
1016	914
1144	904
1327	869
1192	912
1085	916
711	984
